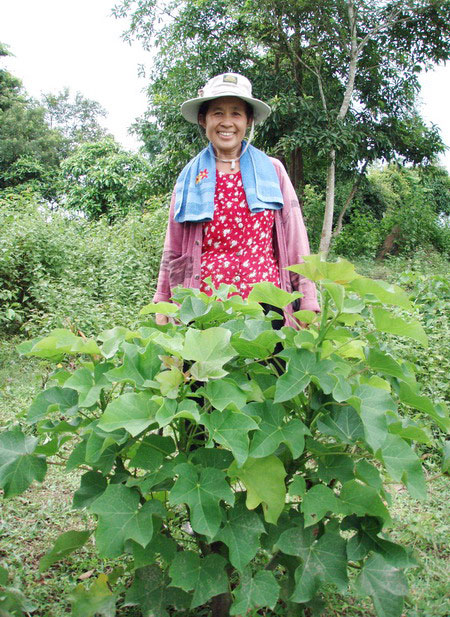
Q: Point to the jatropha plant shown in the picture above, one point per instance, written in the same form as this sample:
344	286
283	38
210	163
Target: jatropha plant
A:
236	467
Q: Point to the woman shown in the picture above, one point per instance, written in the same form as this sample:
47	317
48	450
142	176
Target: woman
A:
234	214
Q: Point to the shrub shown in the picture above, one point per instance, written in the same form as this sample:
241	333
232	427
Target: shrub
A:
58	271
238	467
360	237
102	179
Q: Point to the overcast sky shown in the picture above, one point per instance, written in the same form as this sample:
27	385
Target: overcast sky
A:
76	43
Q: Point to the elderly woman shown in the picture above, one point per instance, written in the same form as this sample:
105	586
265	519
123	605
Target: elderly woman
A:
234	214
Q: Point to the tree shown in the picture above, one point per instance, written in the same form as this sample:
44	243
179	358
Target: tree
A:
341	76
102	179
77	118
29	148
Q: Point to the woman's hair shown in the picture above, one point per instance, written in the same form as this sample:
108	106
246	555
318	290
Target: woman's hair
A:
203	109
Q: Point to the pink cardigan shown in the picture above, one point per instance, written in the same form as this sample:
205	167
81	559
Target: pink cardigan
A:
181	259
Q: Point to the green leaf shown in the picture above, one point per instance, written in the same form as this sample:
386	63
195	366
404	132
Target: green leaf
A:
132	411
92	485
170	382
150	591
120	519
211	345
343	424
138	368
423	403
53	399
19	467
255	338
112	340
169	410
385	321
64	545
270	294
336	466
373	403
241	532
230	429
159	545
213	457
385	584
152	451
337	292
385	293
58	343
204	371
341	271
163	308
323	560
202	491
88	384
297	487
191	308
264	480
403	465
384	363
259	591
342	389
369	474
301	363
225	393
359	499
317	502
97	600
273	430
206	577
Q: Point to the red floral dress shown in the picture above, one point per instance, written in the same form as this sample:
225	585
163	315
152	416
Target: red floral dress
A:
237	245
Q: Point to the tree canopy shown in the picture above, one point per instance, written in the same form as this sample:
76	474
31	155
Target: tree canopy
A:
341	77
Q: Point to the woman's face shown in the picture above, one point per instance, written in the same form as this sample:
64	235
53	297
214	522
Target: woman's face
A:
225	124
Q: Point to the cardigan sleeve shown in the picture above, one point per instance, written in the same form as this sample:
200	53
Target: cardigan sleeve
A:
173	245
297	245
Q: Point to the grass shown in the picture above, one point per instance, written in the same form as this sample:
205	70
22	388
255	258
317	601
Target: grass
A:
31	522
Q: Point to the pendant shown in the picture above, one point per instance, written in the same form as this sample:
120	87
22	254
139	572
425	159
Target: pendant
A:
233	164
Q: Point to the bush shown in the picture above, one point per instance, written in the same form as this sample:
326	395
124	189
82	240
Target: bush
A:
361	237
238	468
57	271
102	179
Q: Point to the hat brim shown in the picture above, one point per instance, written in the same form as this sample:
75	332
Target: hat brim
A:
189	109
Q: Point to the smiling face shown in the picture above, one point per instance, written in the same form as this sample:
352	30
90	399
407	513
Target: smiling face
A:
225	124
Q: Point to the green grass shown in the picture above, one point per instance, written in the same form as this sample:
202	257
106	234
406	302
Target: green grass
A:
31	522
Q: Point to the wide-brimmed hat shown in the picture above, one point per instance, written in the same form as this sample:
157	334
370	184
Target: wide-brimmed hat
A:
227	84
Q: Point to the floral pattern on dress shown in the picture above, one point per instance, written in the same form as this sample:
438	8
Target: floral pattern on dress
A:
237	244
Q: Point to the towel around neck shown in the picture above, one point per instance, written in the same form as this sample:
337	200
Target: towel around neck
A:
196	185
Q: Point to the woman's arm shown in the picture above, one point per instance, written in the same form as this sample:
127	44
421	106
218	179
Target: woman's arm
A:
173	245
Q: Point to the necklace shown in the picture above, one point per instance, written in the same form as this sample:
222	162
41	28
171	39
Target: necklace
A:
233	161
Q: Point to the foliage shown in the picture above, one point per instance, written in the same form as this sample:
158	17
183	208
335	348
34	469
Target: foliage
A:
190	439
102	179
76	117
57	271
410	202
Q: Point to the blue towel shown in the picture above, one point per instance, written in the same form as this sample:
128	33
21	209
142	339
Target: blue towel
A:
196	185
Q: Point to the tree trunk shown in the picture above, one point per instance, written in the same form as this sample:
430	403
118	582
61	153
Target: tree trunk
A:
325	238
389	243
348	201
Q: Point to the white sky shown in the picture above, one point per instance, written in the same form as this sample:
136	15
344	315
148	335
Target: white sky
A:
76	43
